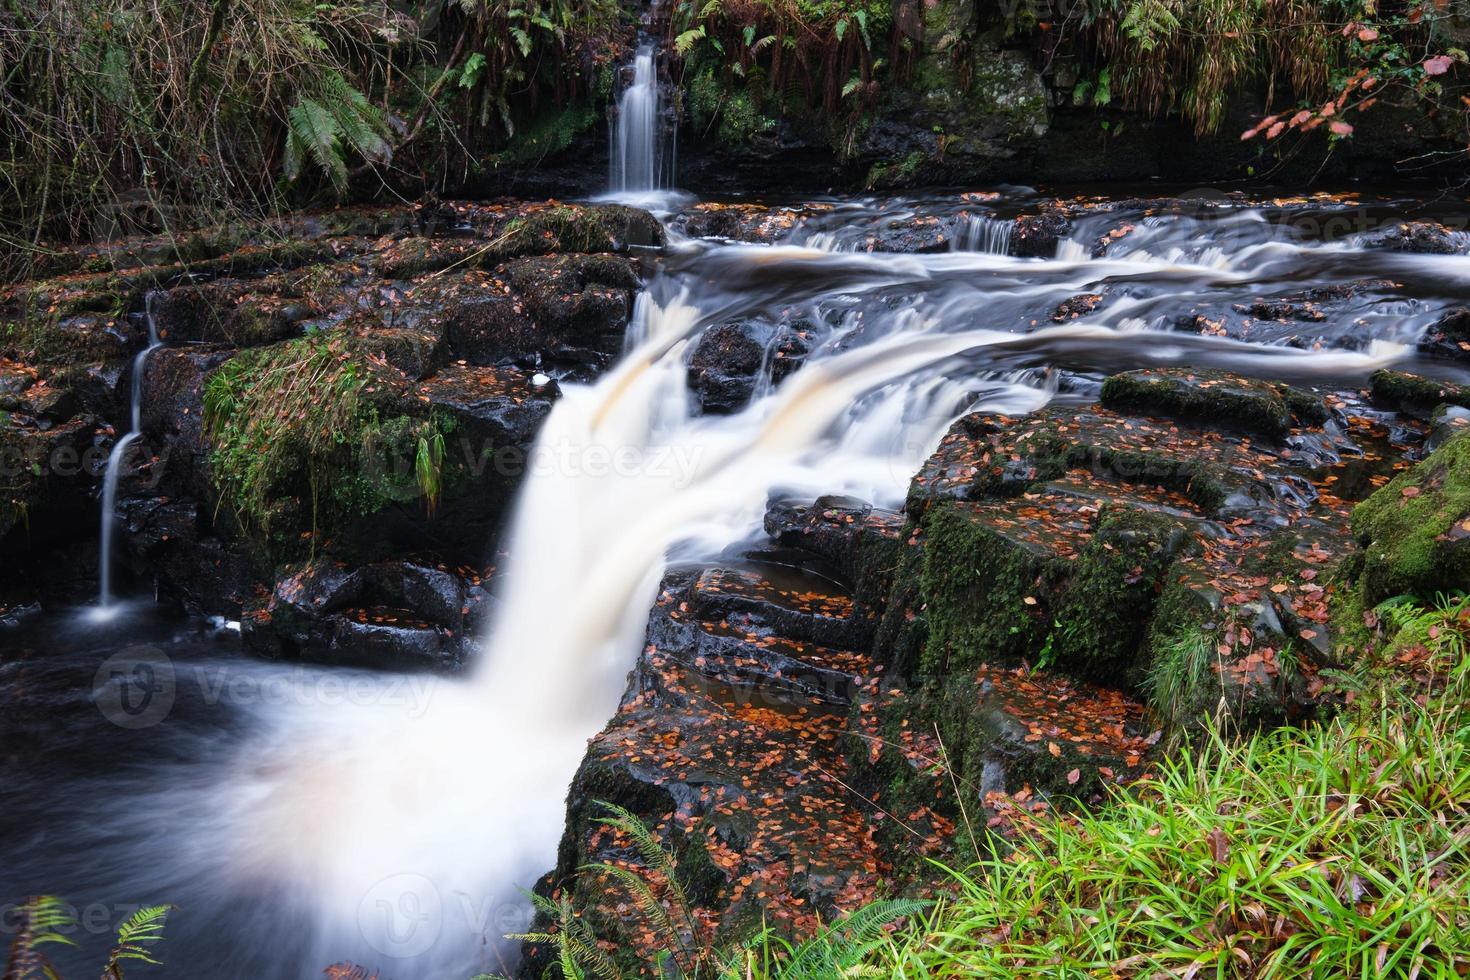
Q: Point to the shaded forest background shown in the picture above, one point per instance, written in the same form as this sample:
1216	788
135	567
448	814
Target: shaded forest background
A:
123	115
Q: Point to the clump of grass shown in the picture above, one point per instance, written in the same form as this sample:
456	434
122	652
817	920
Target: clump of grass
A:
290	423
1162	56
1183	680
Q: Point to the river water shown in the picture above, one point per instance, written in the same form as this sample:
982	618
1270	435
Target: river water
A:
300	816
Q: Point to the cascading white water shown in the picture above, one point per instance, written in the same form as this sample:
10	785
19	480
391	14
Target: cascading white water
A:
118	456
642	157
395	831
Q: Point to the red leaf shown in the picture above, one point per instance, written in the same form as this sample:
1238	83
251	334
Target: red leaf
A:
1367	34
1073	776
1437	65
1340	128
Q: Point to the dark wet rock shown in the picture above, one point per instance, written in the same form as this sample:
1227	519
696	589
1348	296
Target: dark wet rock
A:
1448	338
722	750
1222	474
502	232
1415	532
396	615
1183	563
1207	397
580	304
724	368
175	540
1010	736
495	408
1077	306
1447	422
1414	394
46	467
225	313
485	330
855	539
1419	237
173	414
1037	236
567	313
743	223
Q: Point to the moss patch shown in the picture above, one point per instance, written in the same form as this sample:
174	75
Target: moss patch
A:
1209	397
1411	393
303	440
1415	531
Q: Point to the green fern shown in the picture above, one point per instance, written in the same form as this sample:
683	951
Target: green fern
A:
43	919
331	122
134	937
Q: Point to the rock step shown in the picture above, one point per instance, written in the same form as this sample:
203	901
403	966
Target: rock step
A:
753	798
1024	733
799	605
1223	474
736	626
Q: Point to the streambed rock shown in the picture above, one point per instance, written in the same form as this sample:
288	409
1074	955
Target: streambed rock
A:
441	315
396	615
728	745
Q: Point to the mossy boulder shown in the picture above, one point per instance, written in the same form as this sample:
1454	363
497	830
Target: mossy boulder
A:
1415	531
1415	395
1204	397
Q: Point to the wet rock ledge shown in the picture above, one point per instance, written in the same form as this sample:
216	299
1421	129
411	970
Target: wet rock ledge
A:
334	425
1063	597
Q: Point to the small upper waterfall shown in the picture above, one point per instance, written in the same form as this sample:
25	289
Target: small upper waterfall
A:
643	145
119	454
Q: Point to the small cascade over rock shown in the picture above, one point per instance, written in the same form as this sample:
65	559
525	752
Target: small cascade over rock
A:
119	454
642	131
982	233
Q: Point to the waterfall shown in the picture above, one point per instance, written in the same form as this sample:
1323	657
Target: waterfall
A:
643	144
116	458
395	826
991	236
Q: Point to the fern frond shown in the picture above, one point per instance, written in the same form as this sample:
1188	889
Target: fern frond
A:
43	919
843	945
317	132
142	928
652	909
363	125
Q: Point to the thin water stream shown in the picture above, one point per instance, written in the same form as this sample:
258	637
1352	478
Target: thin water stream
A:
117	459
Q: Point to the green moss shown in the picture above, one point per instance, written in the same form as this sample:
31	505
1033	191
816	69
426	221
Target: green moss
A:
300	446
1201	396
1415	531
903	632
1411	393
986	595
1101	620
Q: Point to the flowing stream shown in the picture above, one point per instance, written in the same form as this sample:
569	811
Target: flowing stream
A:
392	821
118	457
